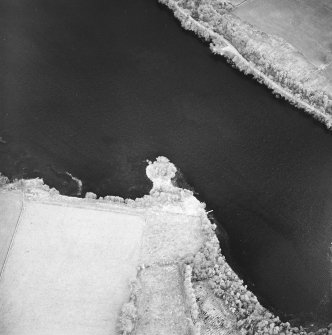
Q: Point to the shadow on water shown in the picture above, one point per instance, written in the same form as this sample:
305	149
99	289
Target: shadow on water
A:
95	88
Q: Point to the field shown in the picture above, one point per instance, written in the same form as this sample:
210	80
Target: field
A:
162	303
68	271
305	24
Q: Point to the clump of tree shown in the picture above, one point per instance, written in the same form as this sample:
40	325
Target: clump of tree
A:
114	199
128	315
128	318
90	195
3	180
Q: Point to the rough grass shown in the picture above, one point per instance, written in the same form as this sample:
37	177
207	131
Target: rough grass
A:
169	237
306	24
161	306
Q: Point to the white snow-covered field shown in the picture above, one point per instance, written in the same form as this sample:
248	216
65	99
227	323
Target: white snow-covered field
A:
68	270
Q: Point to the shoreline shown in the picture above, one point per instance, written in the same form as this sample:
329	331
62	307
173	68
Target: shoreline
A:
214	297
221	46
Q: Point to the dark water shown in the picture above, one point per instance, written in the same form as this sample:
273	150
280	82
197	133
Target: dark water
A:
97	87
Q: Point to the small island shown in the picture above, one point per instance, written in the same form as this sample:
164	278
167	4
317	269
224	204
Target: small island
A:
264	38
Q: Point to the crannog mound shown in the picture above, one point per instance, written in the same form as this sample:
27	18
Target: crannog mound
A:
120	266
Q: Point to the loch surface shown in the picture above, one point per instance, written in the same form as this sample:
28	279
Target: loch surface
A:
94	88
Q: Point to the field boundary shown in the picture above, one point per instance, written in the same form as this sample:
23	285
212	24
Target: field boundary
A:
13	238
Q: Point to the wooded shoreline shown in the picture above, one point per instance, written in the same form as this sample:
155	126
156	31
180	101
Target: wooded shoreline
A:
249	50
178	242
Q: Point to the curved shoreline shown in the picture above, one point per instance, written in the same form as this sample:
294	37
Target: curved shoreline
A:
214	296
221	46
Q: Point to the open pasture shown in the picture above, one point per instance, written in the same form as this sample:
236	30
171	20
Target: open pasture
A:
305	24
68	271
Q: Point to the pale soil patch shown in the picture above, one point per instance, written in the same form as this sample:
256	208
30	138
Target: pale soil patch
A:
10	210
68	271
305	24
161	305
